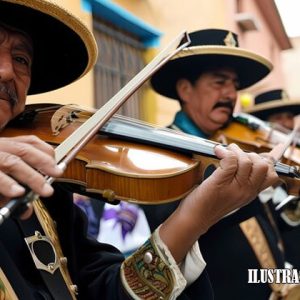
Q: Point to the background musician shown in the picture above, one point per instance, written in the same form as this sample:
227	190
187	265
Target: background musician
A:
276	108
205	79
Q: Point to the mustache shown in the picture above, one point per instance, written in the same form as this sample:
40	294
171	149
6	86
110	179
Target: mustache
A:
226	104
11	93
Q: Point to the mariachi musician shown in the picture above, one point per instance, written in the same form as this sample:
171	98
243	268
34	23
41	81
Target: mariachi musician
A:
205	79
276	108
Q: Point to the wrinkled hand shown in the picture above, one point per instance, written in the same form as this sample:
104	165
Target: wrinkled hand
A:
239	178
24	160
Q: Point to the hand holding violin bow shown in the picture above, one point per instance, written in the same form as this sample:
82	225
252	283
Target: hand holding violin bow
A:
20	158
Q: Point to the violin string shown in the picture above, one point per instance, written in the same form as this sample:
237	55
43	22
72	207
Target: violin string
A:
143	131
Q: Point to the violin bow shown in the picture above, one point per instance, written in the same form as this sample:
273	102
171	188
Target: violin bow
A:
291	140
69	148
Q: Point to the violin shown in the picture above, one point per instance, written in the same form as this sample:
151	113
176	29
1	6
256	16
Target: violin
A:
69	148
128	159
255	135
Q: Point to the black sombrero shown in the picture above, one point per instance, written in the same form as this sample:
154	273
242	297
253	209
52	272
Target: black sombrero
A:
271	102
210	48
64	48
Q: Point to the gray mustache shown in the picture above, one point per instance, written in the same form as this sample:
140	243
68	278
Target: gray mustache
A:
12	95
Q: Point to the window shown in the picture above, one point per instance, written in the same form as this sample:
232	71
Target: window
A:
120	59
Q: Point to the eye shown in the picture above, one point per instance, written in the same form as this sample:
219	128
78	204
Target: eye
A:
237	84
220	81
23	60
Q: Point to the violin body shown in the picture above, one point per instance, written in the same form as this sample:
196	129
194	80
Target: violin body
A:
115	168
255	135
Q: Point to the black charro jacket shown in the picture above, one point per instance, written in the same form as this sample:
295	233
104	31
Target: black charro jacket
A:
93	266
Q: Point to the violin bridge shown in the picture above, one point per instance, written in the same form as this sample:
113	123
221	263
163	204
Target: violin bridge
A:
62	118
66	115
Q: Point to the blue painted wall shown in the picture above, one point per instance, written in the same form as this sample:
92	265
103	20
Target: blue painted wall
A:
111	12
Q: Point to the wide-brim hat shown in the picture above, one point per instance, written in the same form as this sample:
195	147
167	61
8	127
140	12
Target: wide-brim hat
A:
64	48
272	102
209	49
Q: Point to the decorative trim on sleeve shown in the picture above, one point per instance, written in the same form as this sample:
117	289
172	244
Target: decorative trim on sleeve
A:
151	272
291	216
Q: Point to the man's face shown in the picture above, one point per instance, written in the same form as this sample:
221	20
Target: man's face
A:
285	119
15	72
211	100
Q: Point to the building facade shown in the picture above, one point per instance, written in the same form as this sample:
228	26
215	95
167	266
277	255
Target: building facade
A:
130	33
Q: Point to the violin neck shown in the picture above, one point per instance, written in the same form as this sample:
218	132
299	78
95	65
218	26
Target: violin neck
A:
131	129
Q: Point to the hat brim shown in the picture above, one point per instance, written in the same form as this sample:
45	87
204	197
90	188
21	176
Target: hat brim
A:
264	110
250	67
64	49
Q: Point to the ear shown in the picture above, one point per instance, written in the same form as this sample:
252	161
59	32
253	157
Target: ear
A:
184	88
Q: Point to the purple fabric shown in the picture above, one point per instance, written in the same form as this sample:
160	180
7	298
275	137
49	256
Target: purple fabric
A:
126	215
93	223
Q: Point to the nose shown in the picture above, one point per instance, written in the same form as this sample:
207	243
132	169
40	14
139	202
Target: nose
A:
230	90
6	67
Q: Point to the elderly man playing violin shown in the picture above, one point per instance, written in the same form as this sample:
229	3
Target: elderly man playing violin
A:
205	78
44	251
